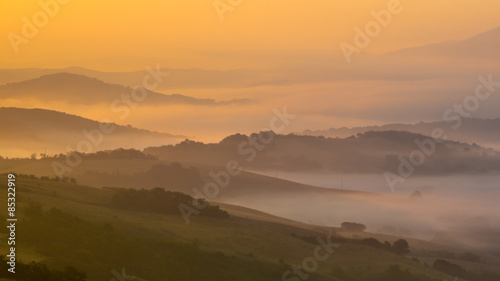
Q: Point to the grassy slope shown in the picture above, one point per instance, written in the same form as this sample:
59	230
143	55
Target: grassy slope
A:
251	233
247	182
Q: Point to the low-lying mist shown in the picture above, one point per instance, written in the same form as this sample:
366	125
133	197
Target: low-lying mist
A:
453	210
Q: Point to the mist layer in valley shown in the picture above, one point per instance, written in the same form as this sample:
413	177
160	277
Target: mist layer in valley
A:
454	210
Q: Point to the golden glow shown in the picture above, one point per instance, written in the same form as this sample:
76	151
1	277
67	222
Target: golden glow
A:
189	33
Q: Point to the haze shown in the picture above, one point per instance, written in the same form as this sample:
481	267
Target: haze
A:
375	112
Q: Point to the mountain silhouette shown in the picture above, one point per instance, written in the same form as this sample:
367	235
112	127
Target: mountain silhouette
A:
484	45
485	132
80	89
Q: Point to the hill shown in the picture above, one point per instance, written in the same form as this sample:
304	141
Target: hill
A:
79	89
98	239
369	152
136	170
481	46
177	79
485	132
27	131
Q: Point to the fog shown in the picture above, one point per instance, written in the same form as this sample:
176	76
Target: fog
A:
452	210
334	104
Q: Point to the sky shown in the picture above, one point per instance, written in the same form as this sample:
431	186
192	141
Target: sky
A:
126	35
296	39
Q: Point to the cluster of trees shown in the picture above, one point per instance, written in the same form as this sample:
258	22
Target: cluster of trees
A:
36	271
352	227
13	158
120	153
157	200
43	178
443	254
449	268
393	273
400	247
456	270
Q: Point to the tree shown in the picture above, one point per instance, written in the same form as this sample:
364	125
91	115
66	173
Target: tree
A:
352	226
449	268
372	242
401	247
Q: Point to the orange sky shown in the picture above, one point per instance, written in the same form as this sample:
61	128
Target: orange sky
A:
189	33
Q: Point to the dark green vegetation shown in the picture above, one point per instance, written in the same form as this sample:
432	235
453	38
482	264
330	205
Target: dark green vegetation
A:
399	247
393	273
43	178
456	270
36	271
353	226
98	248
159	201
74	225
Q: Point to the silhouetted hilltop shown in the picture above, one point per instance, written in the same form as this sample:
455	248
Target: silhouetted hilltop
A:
34	130
370	152
80	89
485	132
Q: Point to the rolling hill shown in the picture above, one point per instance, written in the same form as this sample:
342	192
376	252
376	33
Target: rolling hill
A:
177	79
80	89
237	248
26	131
369	152
485	132
309	205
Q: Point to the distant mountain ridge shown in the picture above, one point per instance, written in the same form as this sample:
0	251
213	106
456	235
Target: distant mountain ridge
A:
485	132
483	45
481	48
177	79
75	88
